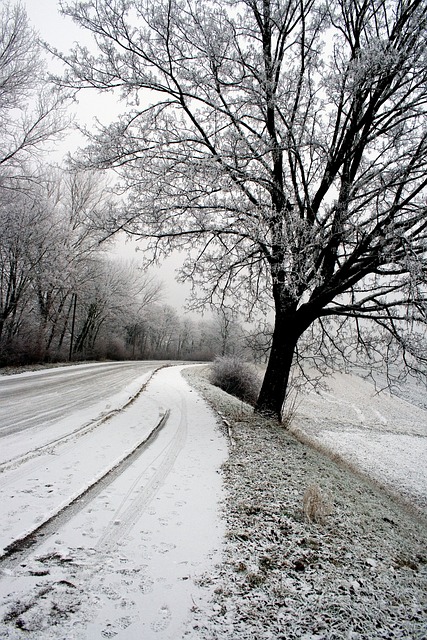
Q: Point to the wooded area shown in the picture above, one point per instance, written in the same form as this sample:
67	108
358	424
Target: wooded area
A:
63	296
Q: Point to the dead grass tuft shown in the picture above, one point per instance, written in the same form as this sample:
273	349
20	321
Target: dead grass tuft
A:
316	504
289	412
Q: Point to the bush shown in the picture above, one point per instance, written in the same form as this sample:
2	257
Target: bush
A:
237	378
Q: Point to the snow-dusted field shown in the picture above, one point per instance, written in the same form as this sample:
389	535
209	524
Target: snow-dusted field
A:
380	434
358	573
138	550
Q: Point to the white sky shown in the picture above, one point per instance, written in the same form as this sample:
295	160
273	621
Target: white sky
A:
61	32
53	27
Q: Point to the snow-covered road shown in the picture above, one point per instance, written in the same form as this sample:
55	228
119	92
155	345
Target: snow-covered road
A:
126	524
39	410
37	399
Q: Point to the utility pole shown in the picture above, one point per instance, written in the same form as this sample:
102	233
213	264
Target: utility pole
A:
73	321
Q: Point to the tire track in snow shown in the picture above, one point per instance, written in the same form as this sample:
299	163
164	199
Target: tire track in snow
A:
138	497
16	551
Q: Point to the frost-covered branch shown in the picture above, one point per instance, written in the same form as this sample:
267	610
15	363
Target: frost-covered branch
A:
287	138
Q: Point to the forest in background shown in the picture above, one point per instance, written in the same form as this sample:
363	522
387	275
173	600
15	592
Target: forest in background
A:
65	298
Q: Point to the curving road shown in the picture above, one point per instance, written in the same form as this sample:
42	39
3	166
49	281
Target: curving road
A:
106	532
39	399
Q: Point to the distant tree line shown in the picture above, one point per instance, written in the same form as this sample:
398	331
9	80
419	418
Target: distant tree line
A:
63	297
162	333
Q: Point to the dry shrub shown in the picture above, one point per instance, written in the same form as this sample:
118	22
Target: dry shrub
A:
289	411
237	378
316	504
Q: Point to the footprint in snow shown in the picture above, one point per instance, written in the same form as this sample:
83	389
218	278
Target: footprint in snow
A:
163	619
112	630
164	547
146	585
111	593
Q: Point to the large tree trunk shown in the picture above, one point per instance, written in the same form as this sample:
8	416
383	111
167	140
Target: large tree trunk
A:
287	331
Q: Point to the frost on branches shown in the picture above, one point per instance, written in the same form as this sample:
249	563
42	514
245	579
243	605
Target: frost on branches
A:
283	143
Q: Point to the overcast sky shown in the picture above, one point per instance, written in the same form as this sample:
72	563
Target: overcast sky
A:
61	32
52	27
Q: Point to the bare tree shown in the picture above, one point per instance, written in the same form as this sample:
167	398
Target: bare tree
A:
288	138
52	265
224	334
75	202
30	108
257	341
111	301
30	116
27	244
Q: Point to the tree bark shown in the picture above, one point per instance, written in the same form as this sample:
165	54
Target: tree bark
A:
288	327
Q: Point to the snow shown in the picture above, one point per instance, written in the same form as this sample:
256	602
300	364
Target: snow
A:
54	413
47	483
359	572
189	538
379	434
127	562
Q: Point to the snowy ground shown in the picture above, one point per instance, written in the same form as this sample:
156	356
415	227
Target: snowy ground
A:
381	435
359	572
144	555
121	563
